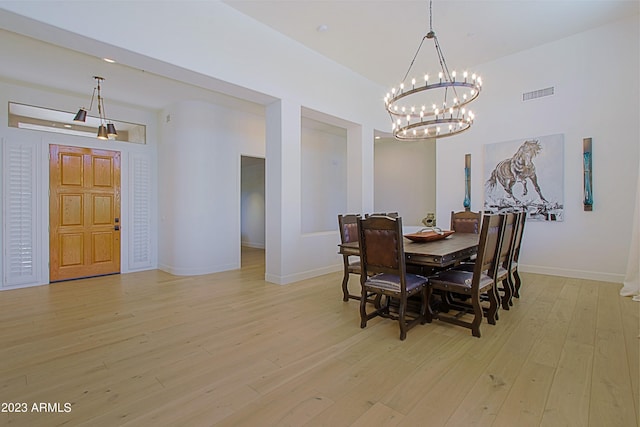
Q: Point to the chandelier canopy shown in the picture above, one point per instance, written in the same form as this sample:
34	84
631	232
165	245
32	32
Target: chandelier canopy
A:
432	106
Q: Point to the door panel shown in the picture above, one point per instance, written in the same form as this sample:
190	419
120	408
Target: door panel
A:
84	212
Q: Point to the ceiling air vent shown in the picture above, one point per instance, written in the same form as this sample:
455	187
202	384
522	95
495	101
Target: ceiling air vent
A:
528	96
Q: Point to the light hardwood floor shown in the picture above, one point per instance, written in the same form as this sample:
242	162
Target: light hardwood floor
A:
229	349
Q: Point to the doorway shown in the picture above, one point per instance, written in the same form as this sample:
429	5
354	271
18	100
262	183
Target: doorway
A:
84	212
252	209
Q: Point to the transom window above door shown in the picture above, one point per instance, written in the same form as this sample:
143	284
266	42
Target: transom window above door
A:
48	120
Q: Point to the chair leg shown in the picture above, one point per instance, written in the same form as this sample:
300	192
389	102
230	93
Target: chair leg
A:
492	314
428	316
512	288
516	292
506	298
423	307
345	286
363	308
402	311
477	315
446	301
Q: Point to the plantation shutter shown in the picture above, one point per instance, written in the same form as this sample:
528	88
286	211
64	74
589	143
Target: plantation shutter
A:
20	168
140	253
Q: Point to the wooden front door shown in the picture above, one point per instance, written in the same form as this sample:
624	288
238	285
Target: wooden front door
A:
84	212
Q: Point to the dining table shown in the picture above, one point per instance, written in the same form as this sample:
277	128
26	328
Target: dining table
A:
436	255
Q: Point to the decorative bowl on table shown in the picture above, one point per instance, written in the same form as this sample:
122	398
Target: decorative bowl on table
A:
429	235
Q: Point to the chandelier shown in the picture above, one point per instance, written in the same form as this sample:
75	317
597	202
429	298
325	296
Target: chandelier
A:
105	130
432	106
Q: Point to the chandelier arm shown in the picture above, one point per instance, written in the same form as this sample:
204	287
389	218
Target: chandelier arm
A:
443	66
414	59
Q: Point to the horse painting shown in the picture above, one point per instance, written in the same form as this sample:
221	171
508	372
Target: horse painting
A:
518	168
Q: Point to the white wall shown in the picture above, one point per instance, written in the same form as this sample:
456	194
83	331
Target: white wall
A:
405	179
324	176
595	75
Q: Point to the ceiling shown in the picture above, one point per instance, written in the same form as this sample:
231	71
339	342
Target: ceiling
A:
376	39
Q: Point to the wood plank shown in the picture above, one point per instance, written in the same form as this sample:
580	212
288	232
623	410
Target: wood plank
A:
630	311
379	415
569	396
231	349
611	387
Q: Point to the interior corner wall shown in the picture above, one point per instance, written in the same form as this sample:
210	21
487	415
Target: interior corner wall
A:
360	187
199	204
595	76
405	179
324	174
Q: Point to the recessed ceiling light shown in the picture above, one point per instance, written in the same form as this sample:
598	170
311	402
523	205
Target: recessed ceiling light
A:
109	60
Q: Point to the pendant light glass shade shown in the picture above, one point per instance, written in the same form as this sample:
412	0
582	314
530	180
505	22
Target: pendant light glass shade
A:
102	132
81	115
111	130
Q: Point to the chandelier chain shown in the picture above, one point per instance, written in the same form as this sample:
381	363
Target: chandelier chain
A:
430	16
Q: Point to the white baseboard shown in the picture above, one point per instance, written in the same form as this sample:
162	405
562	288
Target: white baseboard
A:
197	271
296	277
575	274
253	245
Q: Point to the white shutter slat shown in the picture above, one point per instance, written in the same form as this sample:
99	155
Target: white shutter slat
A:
140	237
20	214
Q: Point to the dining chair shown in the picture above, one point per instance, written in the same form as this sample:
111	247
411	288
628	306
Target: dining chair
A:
503	274
473	284
466	221
514	275
349	233
384	273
